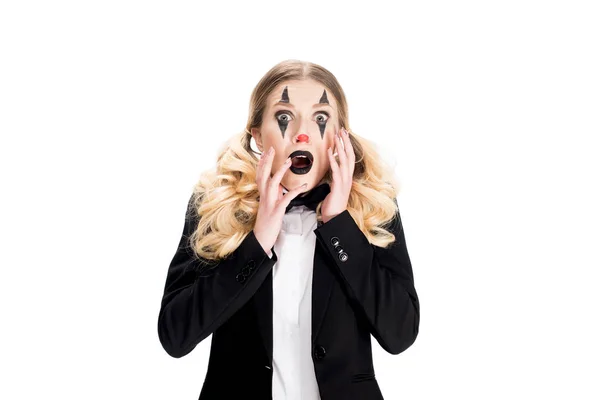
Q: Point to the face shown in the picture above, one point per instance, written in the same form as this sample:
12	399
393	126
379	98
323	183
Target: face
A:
300	121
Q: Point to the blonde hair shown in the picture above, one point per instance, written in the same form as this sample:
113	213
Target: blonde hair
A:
224	204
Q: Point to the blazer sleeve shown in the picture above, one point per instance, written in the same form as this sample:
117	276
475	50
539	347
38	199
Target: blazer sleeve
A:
197	299
379	282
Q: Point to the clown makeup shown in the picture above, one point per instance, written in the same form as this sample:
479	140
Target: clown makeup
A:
323	98
300	121
323	124
283	122
321	121
284	96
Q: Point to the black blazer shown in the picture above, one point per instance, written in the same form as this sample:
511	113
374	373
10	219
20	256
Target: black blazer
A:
358	290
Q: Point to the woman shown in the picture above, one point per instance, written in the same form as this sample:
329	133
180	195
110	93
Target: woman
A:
292	260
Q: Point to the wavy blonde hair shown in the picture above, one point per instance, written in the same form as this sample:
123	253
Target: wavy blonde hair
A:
226	197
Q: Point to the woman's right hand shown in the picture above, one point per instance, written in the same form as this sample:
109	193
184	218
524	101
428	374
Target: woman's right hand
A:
272	202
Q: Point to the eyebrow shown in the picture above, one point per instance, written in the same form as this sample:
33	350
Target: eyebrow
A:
283	103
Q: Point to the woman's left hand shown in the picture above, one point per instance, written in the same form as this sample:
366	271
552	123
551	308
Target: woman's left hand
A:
336	201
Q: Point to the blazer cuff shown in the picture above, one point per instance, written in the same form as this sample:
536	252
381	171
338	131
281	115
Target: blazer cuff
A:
347	245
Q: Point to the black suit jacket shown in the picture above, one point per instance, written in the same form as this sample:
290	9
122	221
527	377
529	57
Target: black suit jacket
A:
358	290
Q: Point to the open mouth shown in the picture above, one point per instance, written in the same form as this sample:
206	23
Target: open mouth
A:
302	161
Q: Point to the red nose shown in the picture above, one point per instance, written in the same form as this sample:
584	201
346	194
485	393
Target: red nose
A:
302	138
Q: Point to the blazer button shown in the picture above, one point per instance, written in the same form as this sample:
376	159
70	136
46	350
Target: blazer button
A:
339	249
319	352
246	271
343	256
240	278
251	265
335	241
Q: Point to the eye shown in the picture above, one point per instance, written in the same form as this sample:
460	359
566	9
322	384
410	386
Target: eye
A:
320	119
283	116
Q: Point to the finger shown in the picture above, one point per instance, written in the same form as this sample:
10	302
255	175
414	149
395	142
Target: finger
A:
259	167
348	145
278	176
289	196
343	158
339	136
261	161
335	169
333	148
265	171
349	149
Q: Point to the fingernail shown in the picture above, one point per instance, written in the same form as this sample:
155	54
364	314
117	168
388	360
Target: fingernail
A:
289	160
271	150
345	132
305	185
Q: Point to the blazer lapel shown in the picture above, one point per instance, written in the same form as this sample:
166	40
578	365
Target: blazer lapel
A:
321	291
322	283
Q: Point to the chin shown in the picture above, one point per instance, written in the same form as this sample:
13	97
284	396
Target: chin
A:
291	184
291	180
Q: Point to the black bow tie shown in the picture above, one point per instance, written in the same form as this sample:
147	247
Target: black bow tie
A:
310	199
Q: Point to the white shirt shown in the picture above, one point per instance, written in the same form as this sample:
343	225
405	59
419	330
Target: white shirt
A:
293	369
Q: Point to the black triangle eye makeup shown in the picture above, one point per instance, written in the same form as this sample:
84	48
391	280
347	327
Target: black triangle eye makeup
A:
323	98
285	98
323	124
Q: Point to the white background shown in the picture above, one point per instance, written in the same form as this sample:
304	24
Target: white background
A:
109	112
